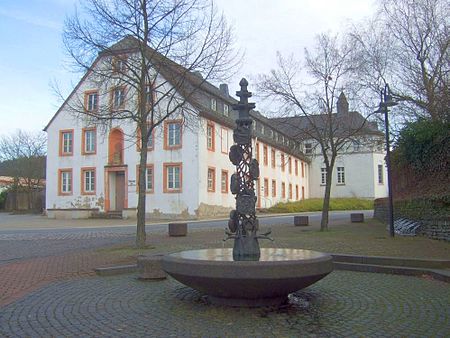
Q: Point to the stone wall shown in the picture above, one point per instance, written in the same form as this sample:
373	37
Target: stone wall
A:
433	216
437	229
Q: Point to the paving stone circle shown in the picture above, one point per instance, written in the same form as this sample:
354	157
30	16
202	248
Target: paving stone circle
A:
343	304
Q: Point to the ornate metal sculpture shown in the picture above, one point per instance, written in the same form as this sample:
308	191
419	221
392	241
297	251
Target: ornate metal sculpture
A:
243	225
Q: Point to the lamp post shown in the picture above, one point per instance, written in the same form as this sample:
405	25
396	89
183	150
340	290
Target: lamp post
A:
386	102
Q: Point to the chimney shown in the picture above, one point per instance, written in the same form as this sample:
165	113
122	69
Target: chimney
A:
342	104
224	89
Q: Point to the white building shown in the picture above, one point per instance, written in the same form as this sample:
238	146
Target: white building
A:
359	170
94	169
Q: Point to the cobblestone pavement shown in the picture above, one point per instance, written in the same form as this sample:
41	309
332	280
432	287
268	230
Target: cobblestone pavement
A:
32	244
344	304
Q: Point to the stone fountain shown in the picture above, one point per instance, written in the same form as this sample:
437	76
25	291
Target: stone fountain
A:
246	275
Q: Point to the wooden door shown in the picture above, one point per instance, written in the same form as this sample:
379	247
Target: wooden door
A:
120	190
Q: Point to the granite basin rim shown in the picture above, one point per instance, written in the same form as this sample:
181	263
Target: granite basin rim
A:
247	279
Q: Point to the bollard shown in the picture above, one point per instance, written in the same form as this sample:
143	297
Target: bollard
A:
177	229
301	220
357	218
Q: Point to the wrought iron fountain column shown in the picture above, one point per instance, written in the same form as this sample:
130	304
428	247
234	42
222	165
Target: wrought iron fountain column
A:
243	223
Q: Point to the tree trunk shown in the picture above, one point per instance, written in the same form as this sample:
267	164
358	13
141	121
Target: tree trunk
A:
140	226
326	198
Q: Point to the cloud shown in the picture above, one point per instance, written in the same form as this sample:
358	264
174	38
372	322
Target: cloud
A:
30	19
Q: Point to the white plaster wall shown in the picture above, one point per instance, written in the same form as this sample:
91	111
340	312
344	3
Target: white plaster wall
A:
64	120
360	176
168	203
381	190
220	161
172	203
216	159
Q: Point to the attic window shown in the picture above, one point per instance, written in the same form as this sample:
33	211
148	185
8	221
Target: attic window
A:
262	129
308	148
213	104
119	64
226	110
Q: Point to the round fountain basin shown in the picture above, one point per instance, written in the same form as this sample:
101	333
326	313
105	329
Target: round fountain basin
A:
248	283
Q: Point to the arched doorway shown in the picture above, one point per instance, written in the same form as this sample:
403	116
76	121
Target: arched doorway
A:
116	173
115	147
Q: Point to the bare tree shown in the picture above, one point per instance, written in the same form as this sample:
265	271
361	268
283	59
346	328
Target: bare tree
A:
407	45
161	51
22	156
308	110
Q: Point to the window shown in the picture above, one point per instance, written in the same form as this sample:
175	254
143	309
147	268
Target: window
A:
266	187
87	181
117	98
211	179
290	165
303	193
65	182
224	182
66	142
274	188
308	148
91	100
380	174
290	191
172	134
273	158
149	178
213	104
323	175
151	139
119	64
262	129
265	155
296	192
226	110
172	177
224	138
283	190
257	151
282	162
356	146
88	141
303	169
340	175
296	167
210	136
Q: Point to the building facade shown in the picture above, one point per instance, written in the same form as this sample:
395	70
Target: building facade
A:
93	168
360	169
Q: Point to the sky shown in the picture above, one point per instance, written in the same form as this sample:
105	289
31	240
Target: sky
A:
32	56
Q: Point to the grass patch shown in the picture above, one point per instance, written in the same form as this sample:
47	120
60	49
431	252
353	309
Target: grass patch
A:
315	204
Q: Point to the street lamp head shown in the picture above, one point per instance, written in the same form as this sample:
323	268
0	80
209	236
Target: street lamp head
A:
387	98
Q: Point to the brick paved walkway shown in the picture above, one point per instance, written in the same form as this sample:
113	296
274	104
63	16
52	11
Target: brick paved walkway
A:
20	278
344	304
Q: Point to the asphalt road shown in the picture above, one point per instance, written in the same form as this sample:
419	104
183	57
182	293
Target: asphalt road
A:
19	242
